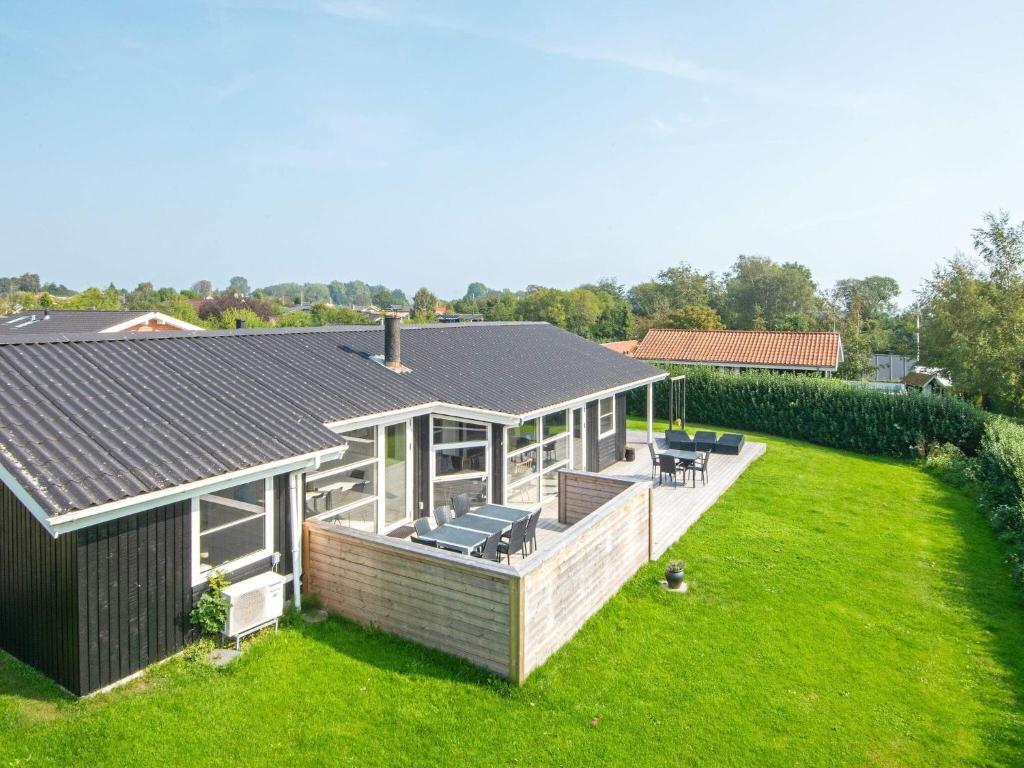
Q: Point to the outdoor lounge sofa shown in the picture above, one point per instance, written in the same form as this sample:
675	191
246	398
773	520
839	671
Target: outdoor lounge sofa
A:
730	444
704	441
679	439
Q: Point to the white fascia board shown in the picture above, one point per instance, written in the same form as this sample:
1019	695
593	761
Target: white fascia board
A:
435	408
592	396
72	521
158	316
749	365
27	499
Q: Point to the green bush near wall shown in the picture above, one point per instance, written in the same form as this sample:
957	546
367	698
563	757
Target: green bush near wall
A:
824	411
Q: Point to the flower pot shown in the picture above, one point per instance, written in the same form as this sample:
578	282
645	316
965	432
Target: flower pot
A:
674	579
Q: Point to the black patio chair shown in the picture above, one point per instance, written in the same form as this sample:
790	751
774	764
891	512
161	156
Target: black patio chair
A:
699	466
424	542
516	540
422	526
654	460
489	551
667	466
460	504
442	515
730	444
531	530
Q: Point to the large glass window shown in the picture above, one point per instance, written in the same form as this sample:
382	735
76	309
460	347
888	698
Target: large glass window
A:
529	469
461	451
369	486
606	416
233	525
396	473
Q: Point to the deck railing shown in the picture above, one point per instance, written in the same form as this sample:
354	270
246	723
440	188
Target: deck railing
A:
505	618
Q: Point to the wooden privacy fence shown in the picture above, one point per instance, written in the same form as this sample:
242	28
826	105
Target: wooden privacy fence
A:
505	618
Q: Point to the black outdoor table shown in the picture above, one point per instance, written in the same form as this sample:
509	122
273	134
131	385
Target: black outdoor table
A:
683	456
498	512
475	522
461	540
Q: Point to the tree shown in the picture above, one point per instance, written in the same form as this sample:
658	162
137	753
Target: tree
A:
28	282
973	316
477	291
203	289
693	316
760	293
582	308
210	309
238	285
424	303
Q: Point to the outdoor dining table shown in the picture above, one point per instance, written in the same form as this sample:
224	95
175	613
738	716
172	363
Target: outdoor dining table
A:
678	455
463	540
499	512
474	522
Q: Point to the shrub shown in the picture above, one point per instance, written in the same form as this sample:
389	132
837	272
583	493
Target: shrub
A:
824	411
1001	475
211	610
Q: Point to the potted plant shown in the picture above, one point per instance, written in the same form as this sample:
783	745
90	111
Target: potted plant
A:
674	574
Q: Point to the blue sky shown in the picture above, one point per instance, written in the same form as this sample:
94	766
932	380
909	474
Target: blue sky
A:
512	143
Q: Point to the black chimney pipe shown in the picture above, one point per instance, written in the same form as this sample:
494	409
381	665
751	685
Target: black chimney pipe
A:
239	323
393	341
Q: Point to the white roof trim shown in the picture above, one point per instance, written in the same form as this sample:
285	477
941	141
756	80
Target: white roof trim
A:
145	318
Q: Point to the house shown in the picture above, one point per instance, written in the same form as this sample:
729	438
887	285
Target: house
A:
627	347
929	381
461	317
809	351
890	367
132	466
55	322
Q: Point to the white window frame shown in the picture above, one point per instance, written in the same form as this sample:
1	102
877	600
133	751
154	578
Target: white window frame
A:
601	434
583	436
435	447
542	467
379	461
199	576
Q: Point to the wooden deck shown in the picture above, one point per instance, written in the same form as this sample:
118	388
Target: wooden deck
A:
675	508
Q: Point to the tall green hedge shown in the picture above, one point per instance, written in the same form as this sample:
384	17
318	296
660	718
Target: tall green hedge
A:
824	411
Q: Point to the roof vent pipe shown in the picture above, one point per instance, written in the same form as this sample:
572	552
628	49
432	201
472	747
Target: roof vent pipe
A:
239	322
46	314
393	341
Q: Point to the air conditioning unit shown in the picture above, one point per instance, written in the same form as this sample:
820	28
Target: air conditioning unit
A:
253	604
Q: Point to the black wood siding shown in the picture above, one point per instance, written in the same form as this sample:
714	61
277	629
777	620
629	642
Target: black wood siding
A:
38	601
593	427
497	463
134	593
421	466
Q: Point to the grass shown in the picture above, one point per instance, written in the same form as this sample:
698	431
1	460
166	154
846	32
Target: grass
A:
843	610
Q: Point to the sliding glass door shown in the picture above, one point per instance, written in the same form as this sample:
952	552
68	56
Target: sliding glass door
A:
397	474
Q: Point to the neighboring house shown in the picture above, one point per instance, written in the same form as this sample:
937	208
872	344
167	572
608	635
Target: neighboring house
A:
890	367
134	466
930	381
627	347
64	322
811	351
461	317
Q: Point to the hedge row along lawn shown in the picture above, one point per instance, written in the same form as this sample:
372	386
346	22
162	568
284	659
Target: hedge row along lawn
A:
843	610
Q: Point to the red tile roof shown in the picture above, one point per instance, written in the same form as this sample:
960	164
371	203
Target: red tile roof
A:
768	349
625	347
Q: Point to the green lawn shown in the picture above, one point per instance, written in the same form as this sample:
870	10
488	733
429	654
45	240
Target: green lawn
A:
844	610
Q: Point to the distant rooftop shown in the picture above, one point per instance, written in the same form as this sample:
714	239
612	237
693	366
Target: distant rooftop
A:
62	322
800	350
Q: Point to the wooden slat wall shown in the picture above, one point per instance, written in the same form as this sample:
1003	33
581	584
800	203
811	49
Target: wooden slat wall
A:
38	601
571	582
579	494
134	593
436	598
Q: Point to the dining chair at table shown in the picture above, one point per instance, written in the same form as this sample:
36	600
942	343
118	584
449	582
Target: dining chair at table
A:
531	530
422	526
442	514
667	465
424	542
700	465
489	551
461	504
516	540
654	460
